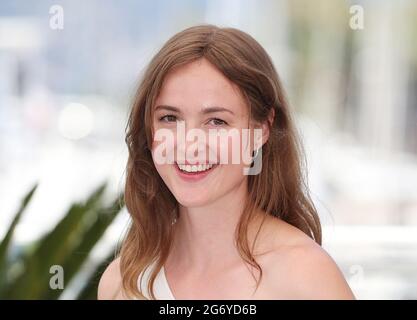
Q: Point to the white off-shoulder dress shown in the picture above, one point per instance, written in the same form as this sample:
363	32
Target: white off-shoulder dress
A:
162	290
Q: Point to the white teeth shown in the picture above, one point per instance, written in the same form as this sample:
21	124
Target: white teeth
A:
195	168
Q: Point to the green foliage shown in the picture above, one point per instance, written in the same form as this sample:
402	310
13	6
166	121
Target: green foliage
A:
67	245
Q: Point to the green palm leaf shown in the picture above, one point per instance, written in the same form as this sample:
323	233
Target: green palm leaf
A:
5	243
53	248
77	256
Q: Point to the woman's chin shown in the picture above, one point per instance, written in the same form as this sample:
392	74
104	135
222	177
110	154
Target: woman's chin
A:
190	201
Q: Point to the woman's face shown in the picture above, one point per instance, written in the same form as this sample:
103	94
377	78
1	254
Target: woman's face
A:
201	99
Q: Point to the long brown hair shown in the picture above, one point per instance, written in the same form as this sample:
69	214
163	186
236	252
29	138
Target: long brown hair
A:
279	190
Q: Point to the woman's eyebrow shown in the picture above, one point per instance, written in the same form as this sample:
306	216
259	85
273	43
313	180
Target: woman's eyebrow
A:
216	109
169	108
203	111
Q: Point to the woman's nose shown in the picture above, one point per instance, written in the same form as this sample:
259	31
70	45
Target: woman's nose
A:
191	142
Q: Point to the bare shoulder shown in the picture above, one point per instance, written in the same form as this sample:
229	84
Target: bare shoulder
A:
302	269
109	286
314	274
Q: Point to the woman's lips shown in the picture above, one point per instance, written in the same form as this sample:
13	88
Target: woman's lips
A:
193	176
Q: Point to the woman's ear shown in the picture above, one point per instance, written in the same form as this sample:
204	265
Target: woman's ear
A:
266	125
271	116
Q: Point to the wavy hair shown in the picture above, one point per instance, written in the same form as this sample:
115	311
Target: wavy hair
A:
280	189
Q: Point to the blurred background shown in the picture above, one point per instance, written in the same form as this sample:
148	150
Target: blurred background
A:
68	72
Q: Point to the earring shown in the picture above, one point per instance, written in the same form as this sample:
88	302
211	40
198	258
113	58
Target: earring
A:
255	153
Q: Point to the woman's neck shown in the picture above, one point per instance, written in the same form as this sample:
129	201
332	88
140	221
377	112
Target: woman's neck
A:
204	237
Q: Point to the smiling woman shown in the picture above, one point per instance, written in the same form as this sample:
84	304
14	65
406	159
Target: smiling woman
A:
203	226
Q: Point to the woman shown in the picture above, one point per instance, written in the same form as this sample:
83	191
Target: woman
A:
204	228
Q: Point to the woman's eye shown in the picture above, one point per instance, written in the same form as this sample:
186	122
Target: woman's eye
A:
172	118
168	118
218	122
